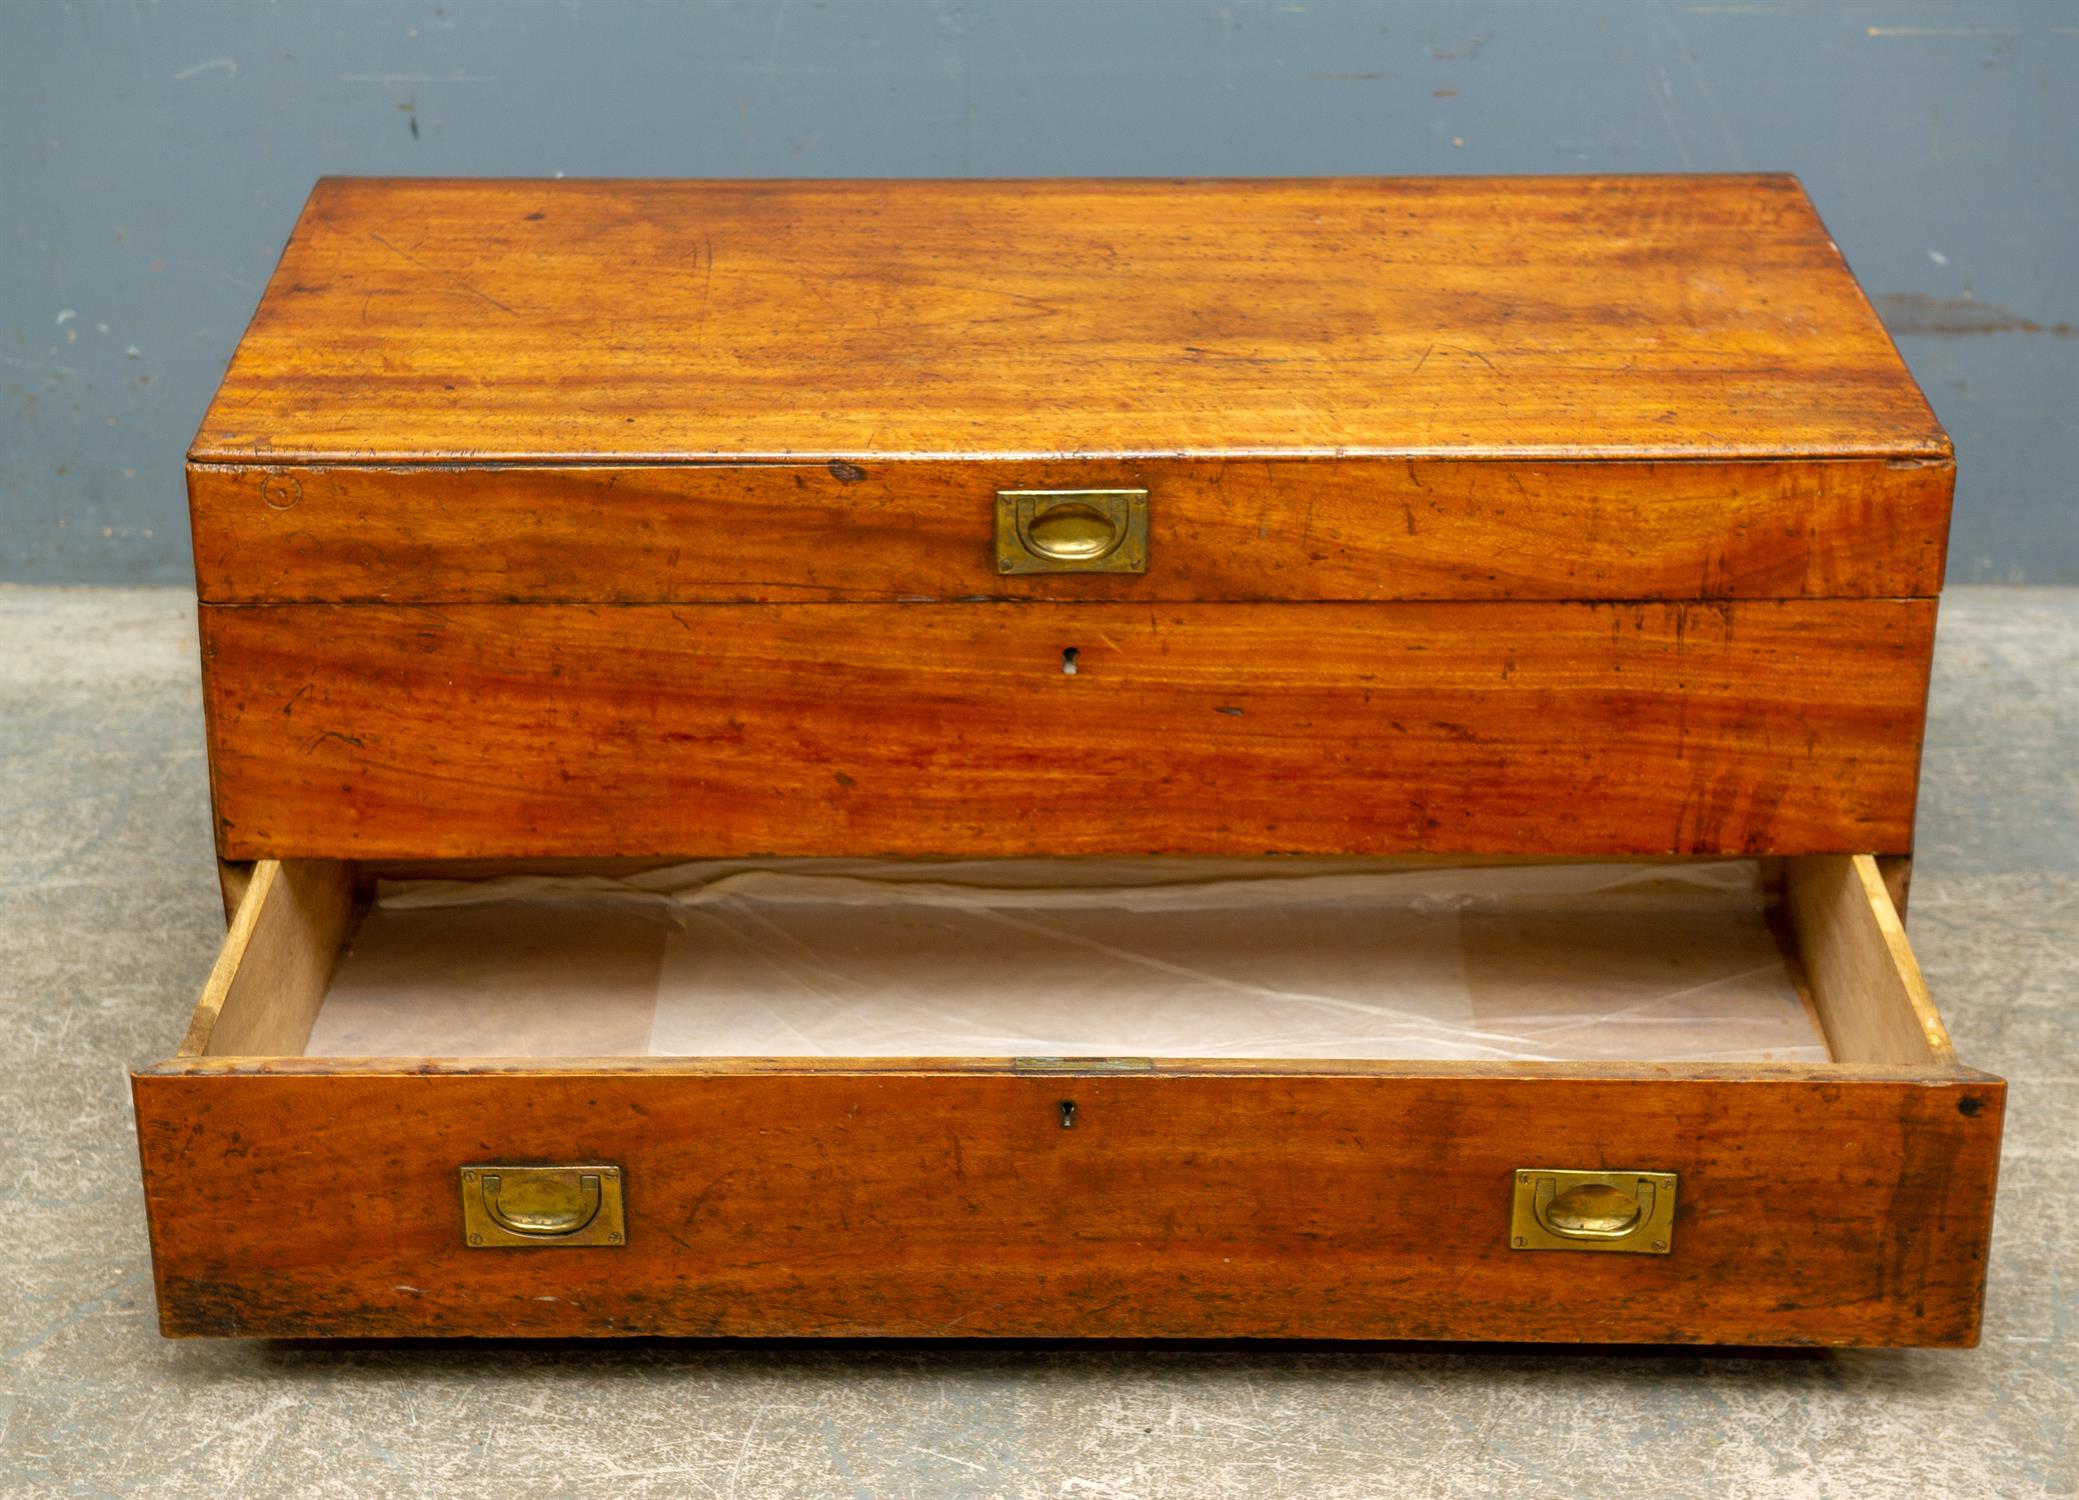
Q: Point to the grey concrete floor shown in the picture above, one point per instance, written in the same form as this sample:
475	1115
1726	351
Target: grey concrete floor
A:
109	919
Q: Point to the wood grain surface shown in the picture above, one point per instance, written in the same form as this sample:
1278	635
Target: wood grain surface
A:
513	731
1354	529
1189	1204
1874	1002
1687	317
277	959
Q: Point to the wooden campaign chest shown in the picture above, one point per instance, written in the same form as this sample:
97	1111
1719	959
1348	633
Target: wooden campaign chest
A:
586	527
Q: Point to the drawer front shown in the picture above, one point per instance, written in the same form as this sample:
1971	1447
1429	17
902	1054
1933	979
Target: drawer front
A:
1841	1210
579	731
1292	529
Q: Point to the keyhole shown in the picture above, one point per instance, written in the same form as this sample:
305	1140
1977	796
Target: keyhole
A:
1068	661
1068	1114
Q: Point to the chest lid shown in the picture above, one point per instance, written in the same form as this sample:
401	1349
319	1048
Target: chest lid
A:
1529	388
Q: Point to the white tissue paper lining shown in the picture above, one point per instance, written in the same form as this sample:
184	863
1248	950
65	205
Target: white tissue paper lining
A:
1181	958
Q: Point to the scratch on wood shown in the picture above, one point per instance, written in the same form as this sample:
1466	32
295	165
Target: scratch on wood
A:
473	291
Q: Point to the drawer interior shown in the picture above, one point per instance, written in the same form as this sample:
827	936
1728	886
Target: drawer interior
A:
1797	962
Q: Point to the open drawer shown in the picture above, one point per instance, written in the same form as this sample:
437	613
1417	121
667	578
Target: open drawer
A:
1599	1197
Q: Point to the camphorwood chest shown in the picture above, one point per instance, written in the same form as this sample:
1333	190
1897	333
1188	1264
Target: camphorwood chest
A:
586	527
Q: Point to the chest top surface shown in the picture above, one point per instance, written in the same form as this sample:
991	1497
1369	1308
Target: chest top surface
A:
451	322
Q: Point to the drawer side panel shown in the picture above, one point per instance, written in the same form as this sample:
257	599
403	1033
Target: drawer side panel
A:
581	731
1816	1211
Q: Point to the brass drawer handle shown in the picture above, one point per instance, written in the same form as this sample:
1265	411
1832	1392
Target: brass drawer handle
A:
504	1206
1555	1208
536	1212
1072	531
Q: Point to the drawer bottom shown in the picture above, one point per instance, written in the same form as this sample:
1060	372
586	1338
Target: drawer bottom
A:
1837	1201
1252	959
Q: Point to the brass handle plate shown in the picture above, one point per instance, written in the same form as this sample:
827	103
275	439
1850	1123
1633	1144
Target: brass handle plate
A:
505	1207
1555	1208
1071	531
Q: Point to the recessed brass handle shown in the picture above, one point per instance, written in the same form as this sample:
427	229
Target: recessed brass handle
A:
1554	1208
1592	1211
1072	531
543	1205
505	1206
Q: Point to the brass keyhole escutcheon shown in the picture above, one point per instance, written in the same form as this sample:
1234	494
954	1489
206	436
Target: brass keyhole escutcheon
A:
512	1206
1072	531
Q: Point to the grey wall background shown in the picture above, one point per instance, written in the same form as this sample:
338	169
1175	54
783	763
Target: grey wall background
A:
153	155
